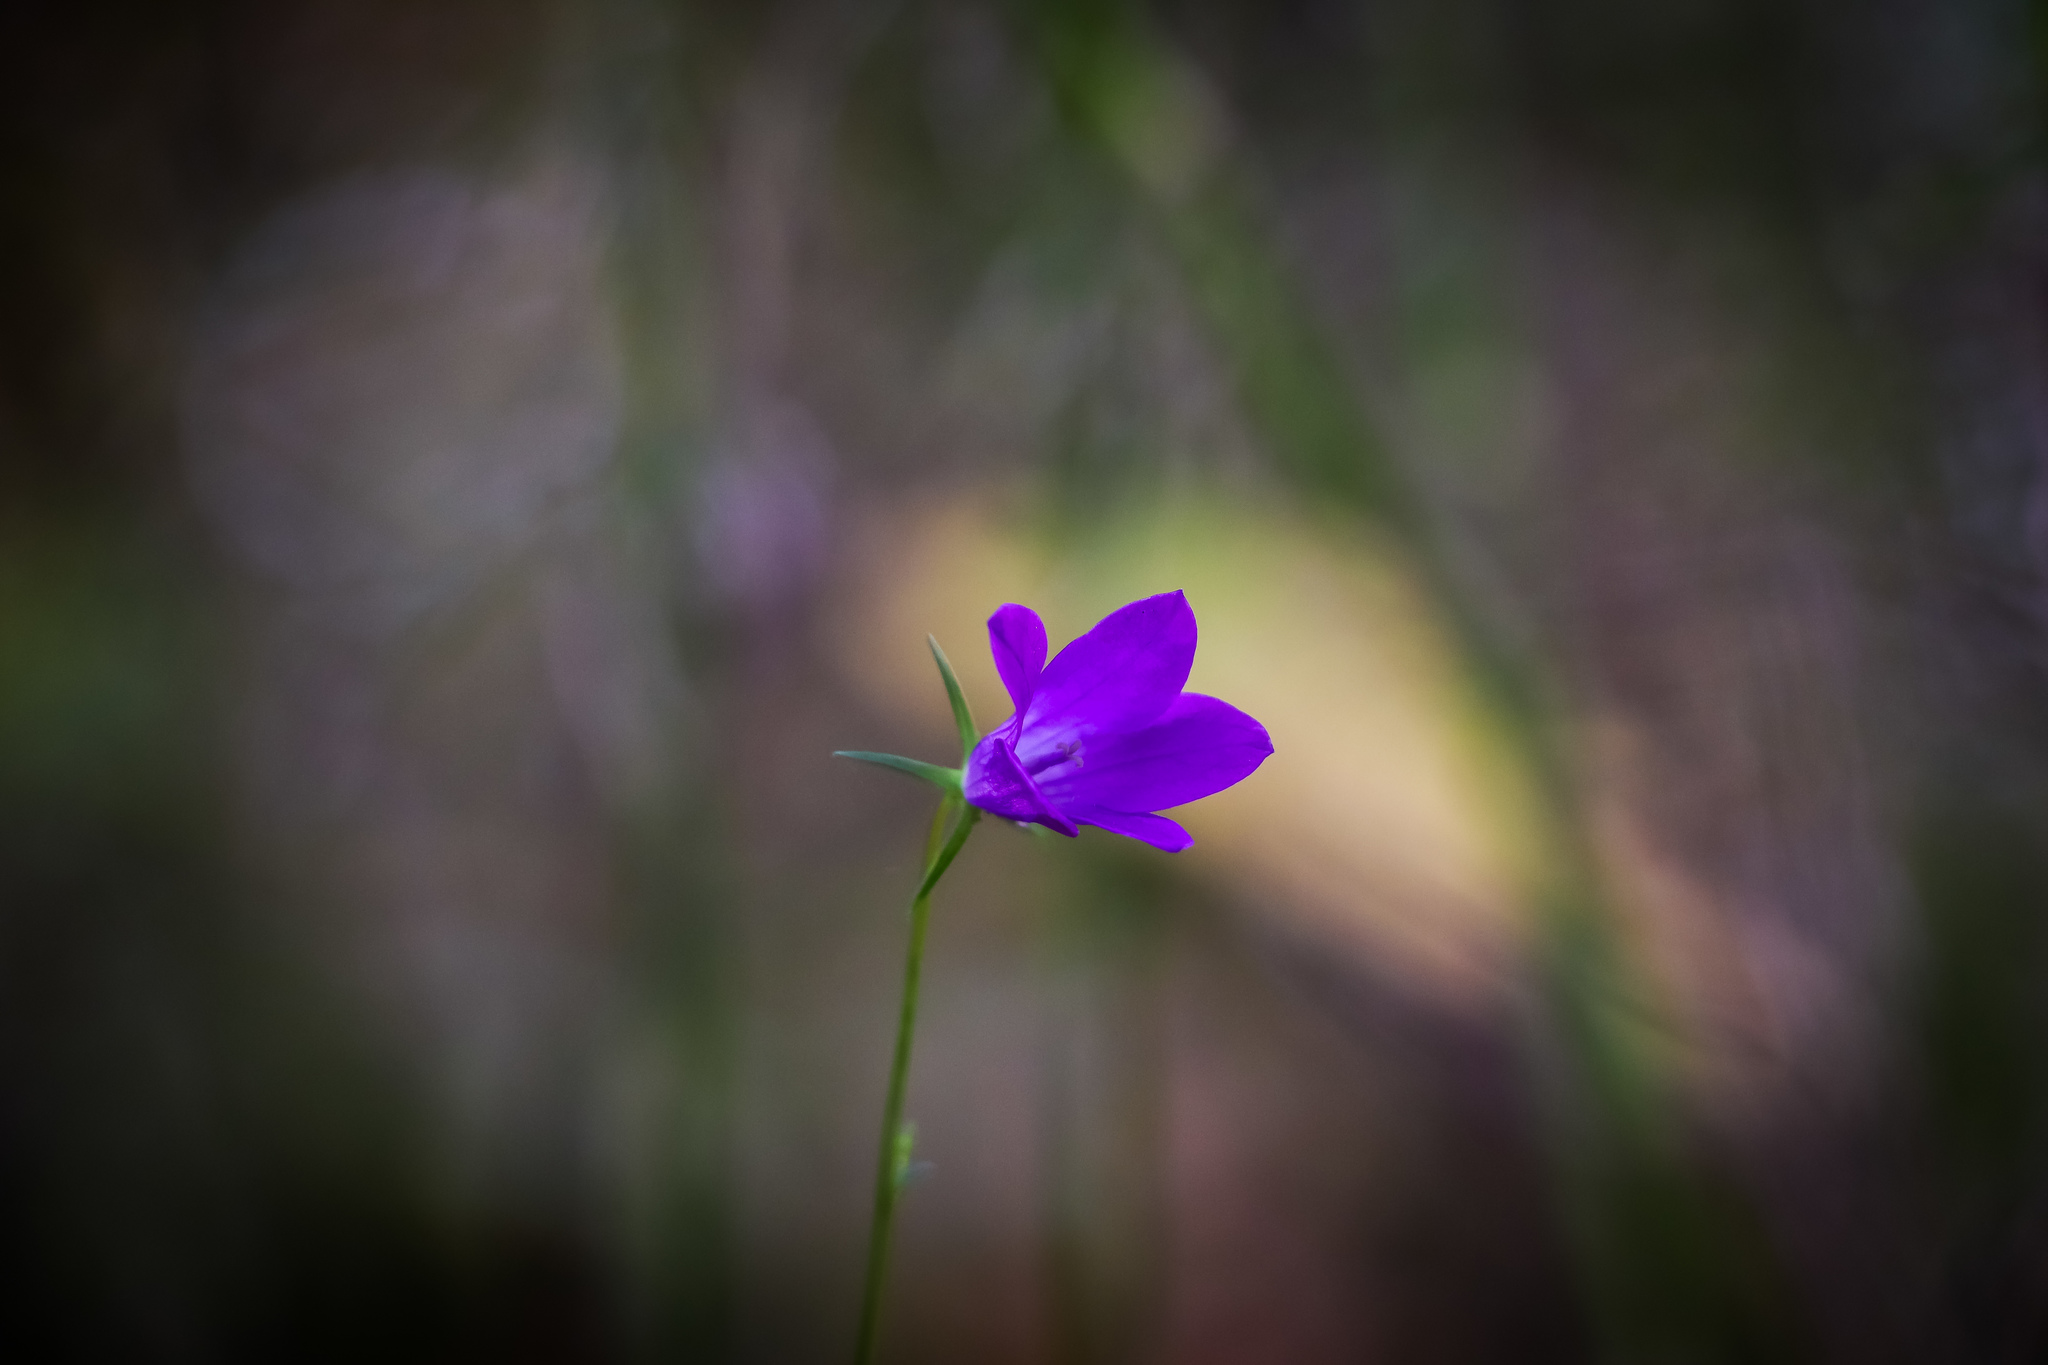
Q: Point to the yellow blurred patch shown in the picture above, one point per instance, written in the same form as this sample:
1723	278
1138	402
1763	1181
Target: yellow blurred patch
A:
1389	821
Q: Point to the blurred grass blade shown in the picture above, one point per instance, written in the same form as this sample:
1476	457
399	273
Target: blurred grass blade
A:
900	1156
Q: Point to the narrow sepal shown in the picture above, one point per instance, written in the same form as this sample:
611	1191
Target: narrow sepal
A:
962	827
942	820
945	779
962	717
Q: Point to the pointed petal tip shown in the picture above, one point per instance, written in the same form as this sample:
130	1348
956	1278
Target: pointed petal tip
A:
1124	671
1161	833
1201	746
1016	639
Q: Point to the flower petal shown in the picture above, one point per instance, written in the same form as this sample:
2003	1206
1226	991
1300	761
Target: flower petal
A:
997	782
1199	747
1155	830
1017	638
1120	675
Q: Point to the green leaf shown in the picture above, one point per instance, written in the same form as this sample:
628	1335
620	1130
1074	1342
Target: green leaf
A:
945	779
962	717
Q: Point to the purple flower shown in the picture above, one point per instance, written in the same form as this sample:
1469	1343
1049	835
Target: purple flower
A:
1103	735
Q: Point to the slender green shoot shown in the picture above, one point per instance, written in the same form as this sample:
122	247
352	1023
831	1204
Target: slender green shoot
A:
941	847
893	1163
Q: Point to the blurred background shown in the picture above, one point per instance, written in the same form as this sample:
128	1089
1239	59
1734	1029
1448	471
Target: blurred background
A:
463	466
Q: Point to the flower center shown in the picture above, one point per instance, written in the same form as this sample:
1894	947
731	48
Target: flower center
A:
1068	752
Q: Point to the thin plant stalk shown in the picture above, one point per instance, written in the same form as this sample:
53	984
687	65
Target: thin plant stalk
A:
892	1164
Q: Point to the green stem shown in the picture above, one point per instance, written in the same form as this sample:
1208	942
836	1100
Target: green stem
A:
893	1163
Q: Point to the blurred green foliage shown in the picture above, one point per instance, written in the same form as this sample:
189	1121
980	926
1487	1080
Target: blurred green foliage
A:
372	984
